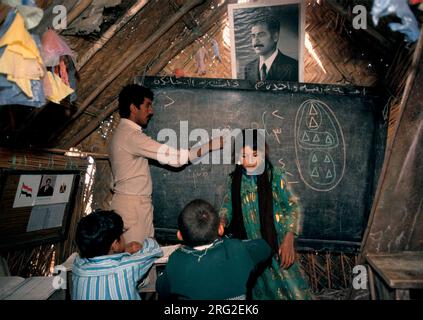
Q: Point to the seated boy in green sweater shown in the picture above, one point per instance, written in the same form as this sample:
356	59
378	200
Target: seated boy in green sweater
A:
208	267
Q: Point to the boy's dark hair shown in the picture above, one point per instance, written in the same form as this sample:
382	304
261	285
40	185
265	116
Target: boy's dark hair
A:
132	93
97	231
271	23
198	223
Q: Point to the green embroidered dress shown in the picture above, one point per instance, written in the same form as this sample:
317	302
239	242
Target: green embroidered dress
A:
275	283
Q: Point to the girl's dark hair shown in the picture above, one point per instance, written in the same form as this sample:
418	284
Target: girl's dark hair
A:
96	232
265	196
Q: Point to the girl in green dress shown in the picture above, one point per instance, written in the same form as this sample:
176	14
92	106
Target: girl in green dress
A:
259	204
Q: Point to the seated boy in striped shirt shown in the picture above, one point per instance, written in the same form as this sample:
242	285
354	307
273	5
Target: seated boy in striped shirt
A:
107	268
208	267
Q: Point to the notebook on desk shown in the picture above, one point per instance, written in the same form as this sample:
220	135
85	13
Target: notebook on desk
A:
167	251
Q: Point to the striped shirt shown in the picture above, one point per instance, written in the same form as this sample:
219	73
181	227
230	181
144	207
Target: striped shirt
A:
113	277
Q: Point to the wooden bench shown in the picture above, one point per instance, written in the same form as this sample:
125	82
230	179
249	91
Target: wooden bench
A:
400	271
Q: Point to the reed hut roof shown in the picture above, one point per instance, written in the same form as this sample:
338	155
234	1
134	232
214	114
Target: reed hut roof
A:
141	37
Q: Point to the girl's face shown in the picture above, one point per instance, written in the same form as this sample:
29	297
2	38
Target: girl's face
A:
250	159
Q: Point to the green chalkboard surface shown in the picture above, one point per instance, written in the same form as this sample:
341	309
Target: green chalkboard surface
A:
323	136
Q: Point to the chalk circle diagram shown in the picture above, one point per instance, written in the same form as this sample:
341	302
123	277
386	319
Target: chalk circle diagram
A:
319	146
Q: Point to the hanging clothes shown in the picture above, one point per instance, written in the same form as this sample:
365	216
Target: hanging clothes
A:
57	54
29	11
55	47
21	67
216	51
56	90
200	58
21	61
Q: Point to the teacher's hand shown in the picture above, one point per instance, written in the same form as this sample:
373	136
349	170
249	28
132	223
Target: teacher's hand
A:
287	251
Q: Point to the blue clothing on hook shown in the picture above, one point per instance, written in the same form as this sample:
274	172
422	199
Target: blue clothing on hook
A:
408	26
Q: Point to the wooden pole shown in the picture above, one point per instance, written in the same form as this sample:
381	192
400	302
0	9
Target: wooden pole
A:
110	33
82	154
77	10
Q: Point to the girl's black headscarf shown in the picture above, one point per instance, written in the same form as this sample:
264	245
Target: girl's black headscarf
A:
265	197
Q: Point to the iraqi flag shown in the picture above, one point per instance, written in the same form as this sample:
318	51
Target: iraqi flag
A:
26	190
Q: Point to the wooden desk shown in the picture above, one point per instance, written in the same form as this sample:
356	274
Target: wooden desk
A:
401	271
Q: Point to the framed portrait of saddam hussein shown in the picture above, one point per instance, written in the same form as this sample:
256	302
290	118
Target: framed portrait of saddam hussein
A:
267	40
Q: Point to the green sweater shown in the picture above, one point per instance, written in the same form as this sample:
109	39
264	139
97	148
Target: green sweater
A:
218	272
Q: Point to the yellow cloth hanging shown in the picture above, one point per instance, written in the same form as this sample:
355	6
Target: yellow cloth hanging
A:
13	63
21	59
57	90
20	40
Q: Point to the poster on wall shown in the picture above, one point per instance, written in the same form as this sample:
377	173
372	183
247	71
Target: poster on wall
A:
267	40
43	189
46	217
26	192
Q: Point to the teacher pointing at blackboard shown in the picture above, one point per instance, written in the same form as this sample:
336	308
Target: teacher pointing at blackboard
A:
130	149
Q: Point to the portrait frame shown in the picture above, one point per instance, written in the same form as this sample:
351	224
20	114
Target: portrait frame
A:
43	182
291	16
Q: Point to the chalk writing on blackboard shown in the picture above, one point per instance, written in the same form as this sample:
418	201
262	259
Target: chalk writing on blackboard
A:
197	82
283	166
274	113
274	86
171	101
319	146
277	132
264	122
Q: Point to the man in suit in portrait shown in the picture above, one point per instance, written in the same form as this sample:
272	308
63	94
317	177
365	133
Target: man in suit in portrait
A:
46	190
271	63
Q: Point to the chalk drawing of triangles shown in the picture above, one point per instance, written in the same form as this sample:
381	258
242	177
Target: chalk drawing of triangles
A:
316	138
315	173
314	159
313	124
313	110
329	139
327	160
305	137
329	175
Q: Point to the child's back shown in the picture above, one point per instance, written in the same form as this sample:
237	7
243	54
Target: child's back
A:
104	271
221	271
113	277
208	267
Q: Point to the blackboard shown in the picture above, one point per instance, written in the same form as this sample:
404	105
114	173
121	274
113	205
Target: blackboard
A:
322	135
